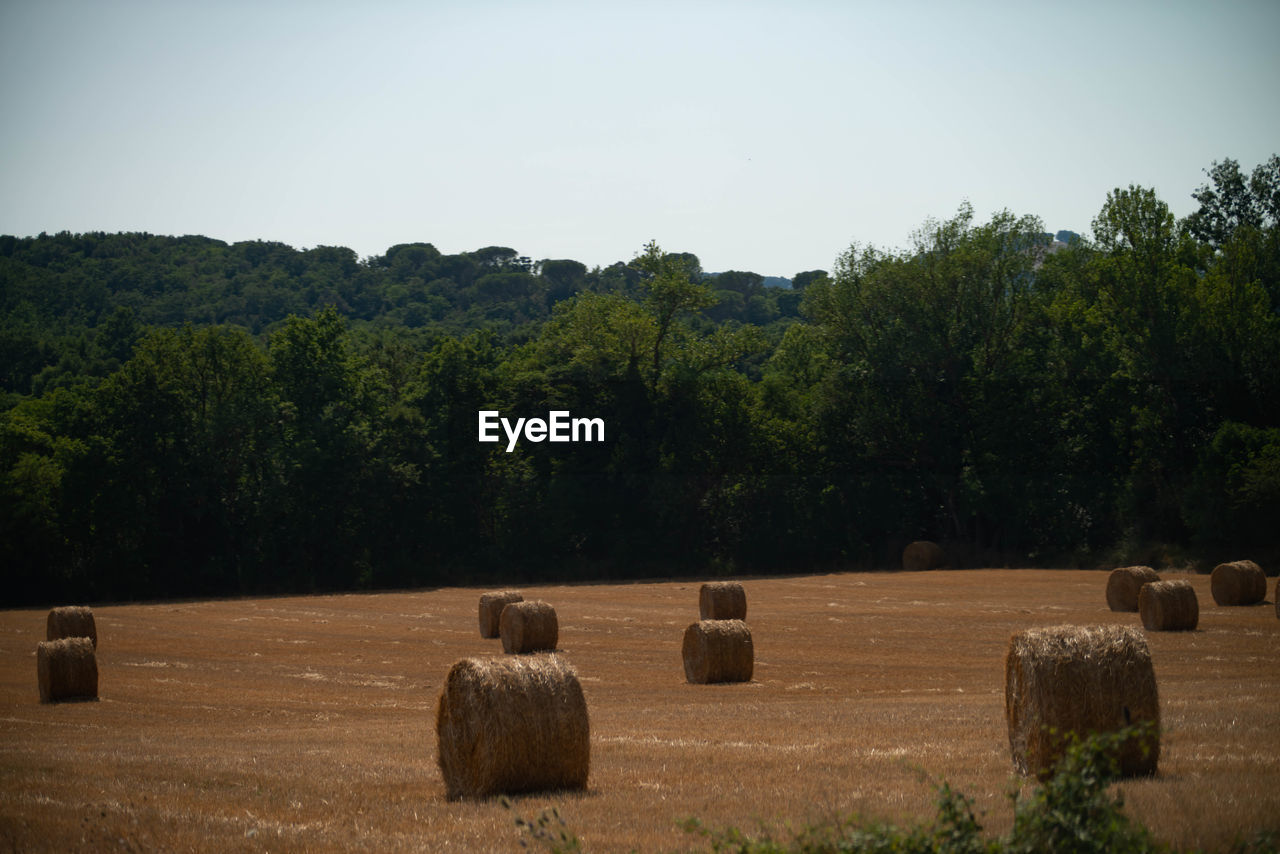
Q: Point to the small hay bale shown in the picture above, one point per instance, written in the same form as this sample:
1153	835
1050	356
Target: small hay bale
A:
1124	584
528	627
1169	606
71	621
1240	582
1069	681
507	725
718	651
67	669
722	600
491	605
923	555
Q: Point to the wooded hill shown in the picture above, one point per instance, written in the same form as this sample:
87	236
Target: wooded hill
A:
183	416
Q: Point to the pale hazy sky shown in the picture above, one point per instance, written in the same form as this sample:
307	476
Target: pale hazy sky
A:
763	136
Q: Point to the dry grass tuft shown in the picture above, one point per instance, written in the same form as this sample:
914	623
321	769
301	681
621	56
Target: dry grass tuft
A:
923	555
1124	584
1066	681
1240	582
528	627
718	651
722	600
67	669
508	725
491	605
1169	606
71	621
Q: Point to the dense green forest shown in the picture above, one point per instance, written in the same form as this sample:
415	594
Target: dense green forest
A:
182	416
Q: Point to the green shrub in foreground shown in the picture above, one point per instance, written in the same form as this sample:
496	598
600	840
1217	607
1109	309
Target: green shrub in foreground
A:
1071	812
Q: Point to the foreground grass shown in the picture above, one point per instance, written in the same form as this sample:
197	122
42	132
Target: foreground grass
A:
1075	811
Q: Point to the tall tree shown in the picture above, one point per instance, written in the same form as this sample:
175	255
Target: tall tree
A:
673	286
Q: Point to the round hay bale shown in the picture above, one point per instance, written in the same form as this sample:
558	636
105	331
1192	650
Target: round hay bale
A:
508	725
718	651
923	555
71	621
1124	584
1169	606
1240	582
722	600
67	669
1067	681
491	605
528	627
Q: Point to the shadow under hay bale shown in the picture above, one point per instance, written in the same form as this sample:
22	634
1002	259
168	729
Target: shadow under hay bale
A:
528	627
67	669
1240	582
509	725
71	621
718	651
491	605
722	600
923	555
1070	681
1124	584
1169	606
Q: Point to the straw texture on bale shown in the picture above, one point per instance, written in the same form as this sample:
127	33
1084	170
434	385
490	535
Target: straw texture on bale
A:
1169	606
1075	680
718	651
507	725
67	669
491	605
722	600
71	621
923	555
1124	584
1240	582
528	627
1277	598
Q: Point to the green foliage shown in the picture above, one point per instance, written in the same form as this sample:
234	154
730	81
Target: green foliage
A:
1072	812
1235	494
1077	810
548	832
183	415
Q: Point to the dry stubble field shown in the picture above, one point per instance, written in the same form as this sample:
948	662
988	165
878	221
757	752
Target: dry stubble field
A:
307	724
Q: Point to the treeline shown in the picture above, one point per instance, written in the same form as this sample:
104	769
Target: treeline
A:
186	417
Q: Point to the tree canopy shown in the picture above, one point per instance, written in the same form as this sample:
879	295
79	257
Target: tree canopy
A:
182	416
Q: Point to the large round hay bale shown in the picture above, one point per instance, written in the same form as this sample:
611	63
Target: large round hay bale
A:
1124	584
528	627
718	651
491	605
67	669
507	725
722	600
1070	681
1240	582
923	555
71	621
1169	606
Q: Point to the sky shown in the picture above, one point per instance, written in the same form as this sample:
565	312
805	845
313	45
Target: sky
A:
758	135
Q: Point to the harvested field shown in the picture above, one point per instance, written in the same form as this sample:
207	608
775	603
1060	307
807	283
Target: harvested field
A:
308	723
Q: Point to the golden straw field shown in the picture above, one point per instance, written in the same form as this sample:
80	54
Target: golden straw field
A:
308	723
